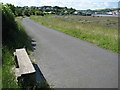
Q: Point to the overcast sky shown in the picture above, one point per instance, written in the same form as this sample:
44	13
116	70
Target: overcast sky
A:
77	4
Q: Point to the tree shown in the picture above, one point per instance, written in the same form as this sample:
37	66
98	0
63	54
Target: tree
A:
79	13
12	7
39	13
65	8
18	12
9	20
32	12
52	12
26	12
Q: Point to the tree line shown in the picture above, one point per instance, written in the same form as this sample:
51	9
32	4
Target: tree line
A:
43	10
33	10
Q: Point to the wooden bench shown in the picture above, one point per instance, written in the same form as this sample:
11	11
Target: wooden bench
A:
23	63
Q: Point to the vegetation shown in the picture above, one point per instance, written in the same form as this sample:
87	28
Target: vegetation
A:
100	35
14	37
39	13
34	10
108	22
8	78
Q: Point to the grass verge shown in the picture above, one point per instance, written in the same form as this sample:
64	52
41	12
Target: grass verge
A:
99	35
19	40
8	79
13	37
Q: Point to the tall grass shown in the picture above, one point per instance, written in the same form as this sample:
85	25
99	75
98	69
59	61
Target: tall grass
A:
8	79
101	36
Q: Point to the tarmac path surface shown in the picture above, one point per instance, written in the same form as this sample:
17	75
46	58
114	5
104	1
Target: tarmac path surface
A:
68	62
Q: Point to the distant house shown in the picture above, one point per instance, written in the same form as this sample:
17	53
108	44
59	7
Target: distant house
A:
47	12
109	13
65	12
83	12
116	12
39	8
46	7
25	7
98	12
86	12
33	7
76	12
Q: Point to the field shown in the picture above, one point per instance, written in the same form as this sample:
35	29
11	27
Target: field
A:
110	22
101	31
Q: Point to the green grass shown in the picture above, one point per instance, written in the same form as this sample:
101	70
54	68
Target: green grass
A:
97	34
0	77
109	22
21	40
8	79
13	37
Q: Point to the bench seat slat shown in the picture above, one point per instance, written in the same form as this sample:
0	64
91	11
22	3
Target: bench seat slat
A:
24	62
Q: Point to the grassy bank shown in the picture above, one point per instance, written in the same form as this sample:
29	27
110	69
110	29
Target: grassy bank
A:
100	35
14	36
8	77
8	62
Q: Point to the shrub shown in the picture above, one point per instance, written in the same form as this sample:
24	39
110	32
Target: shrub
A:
13	36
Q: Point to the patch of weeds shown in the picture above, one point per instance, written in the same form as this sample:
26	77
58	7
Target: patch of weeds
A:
108	20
